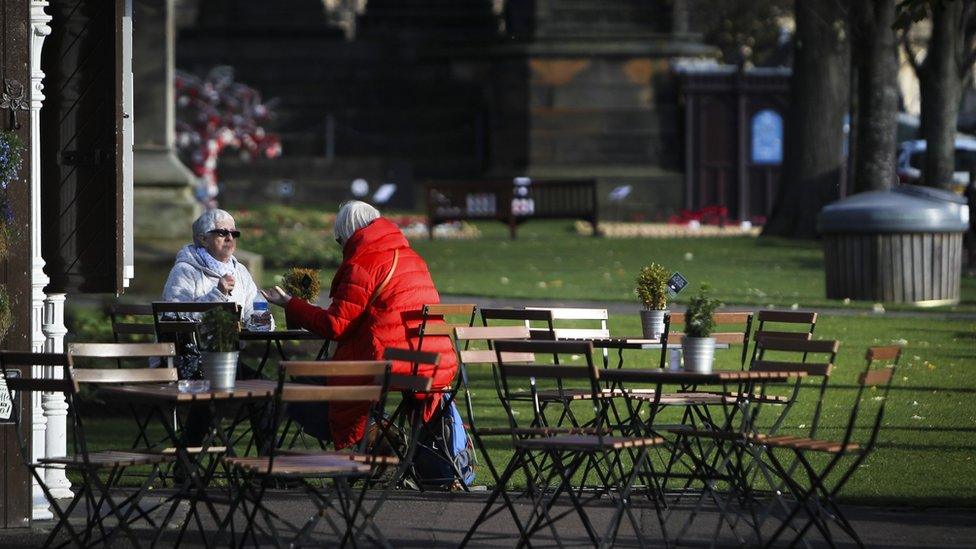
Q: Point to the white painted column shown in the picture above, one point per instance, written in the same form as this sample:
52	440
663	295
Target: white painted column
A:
39	31
54	405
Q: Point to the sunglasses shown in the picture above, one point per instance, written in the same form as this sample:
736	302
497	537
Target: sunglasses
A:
225	233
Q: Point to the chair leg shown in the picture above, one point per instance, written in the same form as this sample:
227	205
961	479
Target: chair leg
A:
513	465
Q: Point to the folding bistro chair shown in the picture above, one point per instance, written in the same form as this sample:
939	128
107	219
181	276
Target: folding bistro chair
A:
126	352
433	321
485	355
782	325
100	471
253	475
729	458
541	324
816	498
723	321
132	323
567	323
571	453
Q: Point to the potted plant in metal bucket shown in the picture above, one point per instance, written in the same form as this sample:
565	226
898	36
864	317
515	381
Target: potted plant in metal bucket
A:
301	283
219	346
652	290
698	346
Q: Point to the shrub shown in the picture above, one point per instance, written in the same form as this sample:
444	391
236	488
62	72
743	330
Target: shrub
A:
698	317
288	236
652	287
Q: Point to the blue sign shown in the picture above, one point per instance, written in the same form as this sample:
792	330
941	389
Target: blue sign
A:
767	137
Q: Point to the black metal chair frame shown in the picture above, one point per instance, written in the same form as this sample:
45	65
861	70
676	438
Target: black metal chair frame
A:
569	454
817	498
250	487
93	490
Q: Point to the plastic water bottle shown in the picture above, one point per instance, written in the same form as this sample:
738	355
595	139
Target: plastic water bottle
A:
261	317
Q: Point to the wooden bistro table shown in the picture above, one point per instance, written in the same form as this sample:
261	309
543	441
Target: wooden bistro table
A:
274	338
622	344
163	399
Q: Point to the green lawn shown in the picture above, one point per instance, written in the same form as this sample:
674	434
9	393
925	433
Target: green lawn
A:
550	261
927	448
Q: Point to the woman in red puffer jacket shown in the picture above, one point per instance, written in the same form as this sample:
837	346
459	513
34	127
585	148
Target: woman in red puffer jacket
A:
363	325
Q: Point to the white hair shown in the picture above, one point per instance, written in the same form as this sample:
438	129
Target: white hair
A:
207	222
352	216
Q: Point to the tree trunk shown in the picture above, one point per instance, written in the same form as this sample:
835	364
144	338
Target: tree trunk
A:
875	56
819	94
941	81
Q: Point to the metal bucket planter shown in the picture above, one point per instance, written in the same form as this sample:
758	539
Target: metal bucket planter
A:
220	369
652	322
699	353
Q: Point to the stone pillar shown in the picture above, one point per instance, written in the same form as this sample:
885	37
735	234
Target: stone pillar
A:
54	405
164	203
39	31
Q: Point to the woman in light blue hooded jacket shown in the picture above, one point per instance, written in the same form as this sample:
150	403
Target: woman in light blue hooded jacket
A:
207	269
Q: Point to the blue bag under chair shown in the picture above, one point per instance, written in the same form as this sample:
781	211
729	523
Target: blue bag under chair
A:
445	454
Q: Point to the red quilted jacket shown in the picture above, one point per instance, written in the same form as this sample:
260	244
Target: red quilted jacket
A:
390	321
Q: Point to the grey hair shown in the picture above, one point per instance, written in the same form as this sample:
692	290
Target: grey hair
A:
352	216
207	222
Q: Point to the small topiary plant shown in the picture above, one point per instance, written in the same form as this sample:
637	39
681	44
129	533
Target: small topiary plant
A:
220	331
302	283
698	317
652	287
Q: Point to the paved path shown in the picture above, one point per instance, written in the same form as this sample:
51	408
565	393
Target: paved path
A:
428	520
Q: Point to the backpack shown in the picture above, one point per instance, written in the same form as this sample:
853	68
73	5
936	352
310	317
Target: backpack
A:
444	445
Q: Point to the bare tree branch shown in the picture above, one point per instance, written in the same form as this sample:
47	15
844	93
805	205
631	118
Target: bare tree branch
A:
910	53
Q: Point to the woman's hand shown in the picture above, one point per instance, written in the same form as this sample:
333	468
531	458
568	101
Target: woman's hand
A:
277	296
226	284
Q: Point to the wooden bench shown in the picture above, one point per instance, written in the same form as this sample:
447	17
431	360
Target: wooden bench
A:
511	204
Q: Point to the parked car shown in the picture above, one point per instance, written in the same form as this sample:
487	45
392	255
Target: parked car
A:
911	157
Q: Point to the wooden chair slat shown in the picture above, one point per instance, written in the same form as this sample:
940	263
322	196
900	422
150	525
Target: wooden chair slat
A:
122	350
581	333
43	385
440	329
402	382
774	334
569	347
794	317
573	313
799	345
335	368
491	332
407	355
539	315
811	368
124	375
886	352
880	376
485	356
341	393
159	307
450	309
546	371
133	328
131	309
